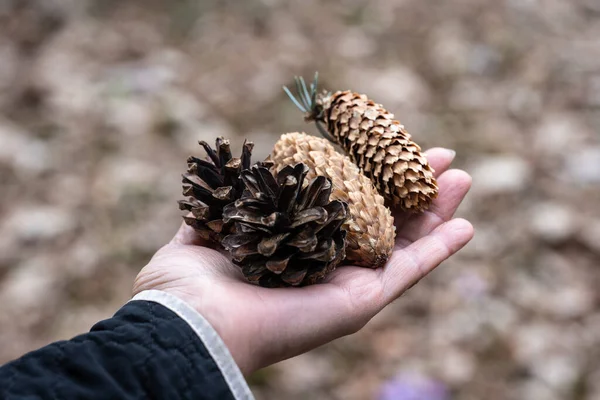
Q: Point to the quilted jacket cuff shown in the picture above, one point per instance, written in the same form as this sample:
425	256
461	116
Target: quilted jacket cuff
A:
207	335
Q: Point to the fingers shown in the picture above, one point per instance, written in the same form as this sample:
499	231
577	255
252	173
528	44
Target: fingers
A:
440	159
408	265
453	187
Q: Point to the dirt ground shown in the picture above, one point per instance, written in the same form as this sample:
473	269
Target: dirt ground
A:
101	102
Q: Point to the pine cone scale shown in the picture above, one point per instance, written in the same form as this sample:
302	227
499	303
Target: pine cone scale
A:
305	241
278	266
268	246
292	277
315	214
235	241
240	253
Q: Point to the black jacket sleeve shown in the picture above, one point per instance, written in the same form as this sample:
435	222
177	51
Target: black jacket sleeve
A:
144	352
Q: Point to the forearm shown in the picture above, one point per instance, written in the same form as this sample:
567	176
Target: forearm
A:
146	350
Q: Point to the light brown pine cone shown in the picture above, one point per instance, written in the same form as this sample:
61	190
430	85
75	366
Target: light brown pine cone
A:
370	228
381	146
374	140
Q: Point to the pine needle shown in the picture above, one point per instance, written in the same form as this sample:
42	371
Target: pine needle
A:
293	98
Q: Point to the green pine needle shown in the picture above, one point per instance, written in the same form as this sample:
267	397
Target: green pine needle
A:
307	96
305	99
293	98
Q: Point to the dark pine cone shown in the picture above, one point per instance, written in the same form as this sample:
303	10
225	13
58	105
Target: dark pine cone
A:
285	235
211	185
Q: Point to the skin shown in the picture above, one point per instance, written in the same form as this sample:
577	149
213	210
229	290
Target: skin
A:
263	326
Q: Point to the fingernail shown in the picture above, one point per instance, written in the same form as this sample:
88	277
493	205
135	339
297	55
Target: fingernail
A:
452	153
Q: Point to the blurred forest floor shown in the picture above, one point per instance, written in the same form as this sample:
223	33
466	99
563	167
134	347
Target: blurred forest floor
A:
101	102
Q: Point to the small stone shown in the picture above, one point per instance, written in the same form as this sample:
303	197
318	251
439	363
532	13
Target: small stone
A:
305	371
455	326
130	115
119	176
456	366
13	139
471	285
82	259
20	151
584	166
28	286
501	315
559	134
552	222
590	235
593	91
571	302
535	389
391	344
534	340
560	371
35	222
139	79
483	59
500	174
34	157
525	103
67	75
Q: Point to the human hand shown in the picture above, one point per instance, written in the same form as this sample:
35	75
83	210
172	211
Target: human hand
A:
262	326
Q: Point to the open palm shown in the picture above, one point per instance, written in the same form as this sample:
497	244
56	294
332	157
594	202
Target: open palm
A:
262	326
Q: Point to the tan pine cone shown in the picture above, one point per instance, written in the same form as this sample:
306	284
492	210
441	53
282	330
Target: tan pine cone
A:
382	147
370	228
374	140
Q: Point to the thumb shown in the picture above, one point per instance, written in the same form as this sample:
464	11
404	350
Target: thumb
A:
187	235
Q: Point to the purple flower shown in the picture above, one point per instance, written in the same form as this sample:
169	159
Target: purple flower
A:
413	387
